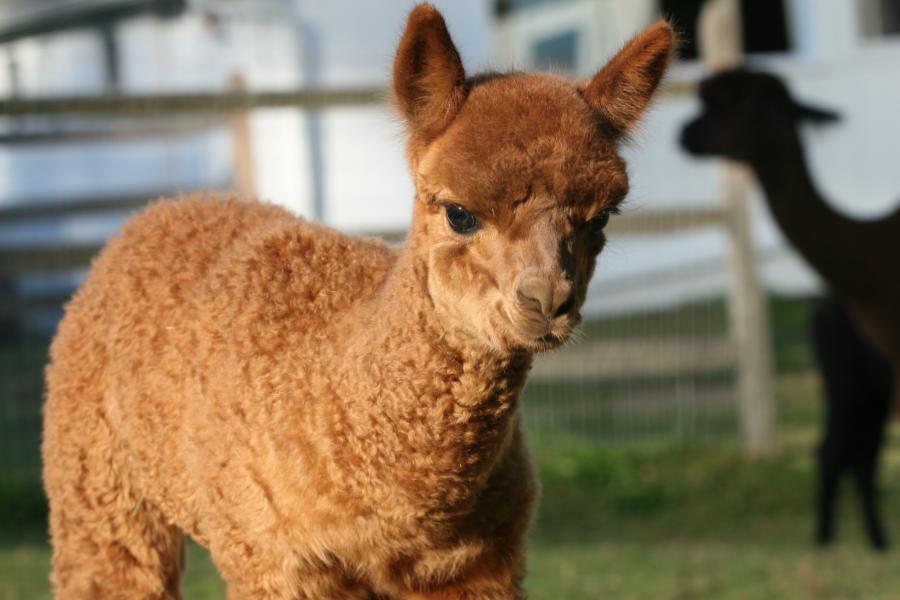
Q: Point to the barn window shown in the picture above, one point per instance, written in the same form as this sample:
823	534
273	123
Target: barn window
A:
879	18
764	24
503	8
556	52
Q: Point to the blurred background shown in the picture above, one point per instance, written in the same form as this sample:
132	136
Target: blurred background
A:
675	441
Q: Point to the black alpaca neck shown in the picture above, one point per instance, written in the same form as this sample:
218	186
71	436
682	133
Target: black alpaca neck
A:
836	246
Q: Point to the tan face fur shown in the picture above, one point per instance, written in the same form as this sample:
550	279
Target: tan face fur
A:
529	159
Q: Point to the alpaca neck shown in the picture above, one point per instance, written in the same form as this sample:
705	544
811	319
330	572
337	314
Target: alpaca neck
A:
825	238
409	317
448	406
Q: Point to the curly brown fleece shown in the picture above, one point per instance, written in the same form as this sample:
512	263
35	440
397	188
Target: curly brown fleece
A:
330	417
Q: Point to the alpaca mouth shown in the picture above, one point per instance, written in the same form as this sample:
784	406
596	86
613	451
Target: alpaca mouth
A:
550	341
540	334
562	331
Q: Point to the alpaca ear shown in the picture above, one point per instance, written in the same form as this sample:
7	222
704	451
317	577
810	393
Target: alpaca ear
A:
429	80
622	89
814	114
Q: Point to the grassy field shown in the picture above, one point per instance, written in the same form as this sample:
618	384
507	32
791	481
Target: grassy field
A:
649	510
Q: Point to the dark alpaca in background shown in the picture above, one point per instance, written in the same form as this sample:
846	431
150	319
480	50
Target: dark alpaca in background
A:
857	407
751	117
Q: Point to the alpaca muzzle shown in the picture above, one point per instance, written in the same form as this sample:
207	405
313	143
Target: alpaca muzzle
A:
540	303
549	296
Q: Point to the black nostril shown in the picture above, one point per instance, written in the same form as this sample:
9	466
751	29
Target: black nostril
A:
566	307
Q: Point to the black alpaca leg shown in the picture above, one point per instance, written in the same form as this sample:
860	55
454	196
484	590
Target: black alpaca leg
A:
868	495
879	380
857	385
834	345
829	475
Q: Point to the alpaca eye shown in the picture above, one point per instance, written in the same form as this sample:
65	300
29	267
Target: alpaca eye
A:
461	220
598	223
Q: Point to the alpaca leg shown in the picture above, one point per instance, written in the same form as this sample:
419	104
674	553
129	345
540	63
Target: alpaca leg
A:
483	589
834	343
878	399
497	582
256	573
474	592
103	550
107	542
857	388
829	476
868	491
321	586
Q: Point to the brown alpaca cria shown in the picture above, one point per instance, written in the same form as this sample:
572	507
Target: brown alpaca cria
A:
333	418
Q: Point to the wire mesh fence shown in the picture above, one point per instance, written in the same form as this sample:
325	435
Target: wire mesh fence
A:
651	375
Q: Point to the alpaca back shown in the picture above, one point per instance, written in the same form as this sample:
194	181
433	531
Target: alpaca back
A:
187	284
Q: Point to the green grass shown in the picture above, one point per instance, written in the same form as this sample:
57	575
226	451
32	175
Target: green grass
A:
677	523
675	520
709	569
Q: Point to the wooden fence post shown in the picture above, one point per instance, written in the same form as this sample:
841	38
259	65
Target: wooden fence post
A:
721	46
242	146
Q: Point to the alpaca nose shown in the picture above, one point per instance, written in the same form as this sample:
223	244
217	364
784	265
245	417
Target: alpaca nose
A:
553	298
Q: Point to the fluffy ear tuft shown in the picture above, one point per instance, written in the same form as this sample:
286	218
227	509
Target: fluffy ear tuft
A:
622	89
429	80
